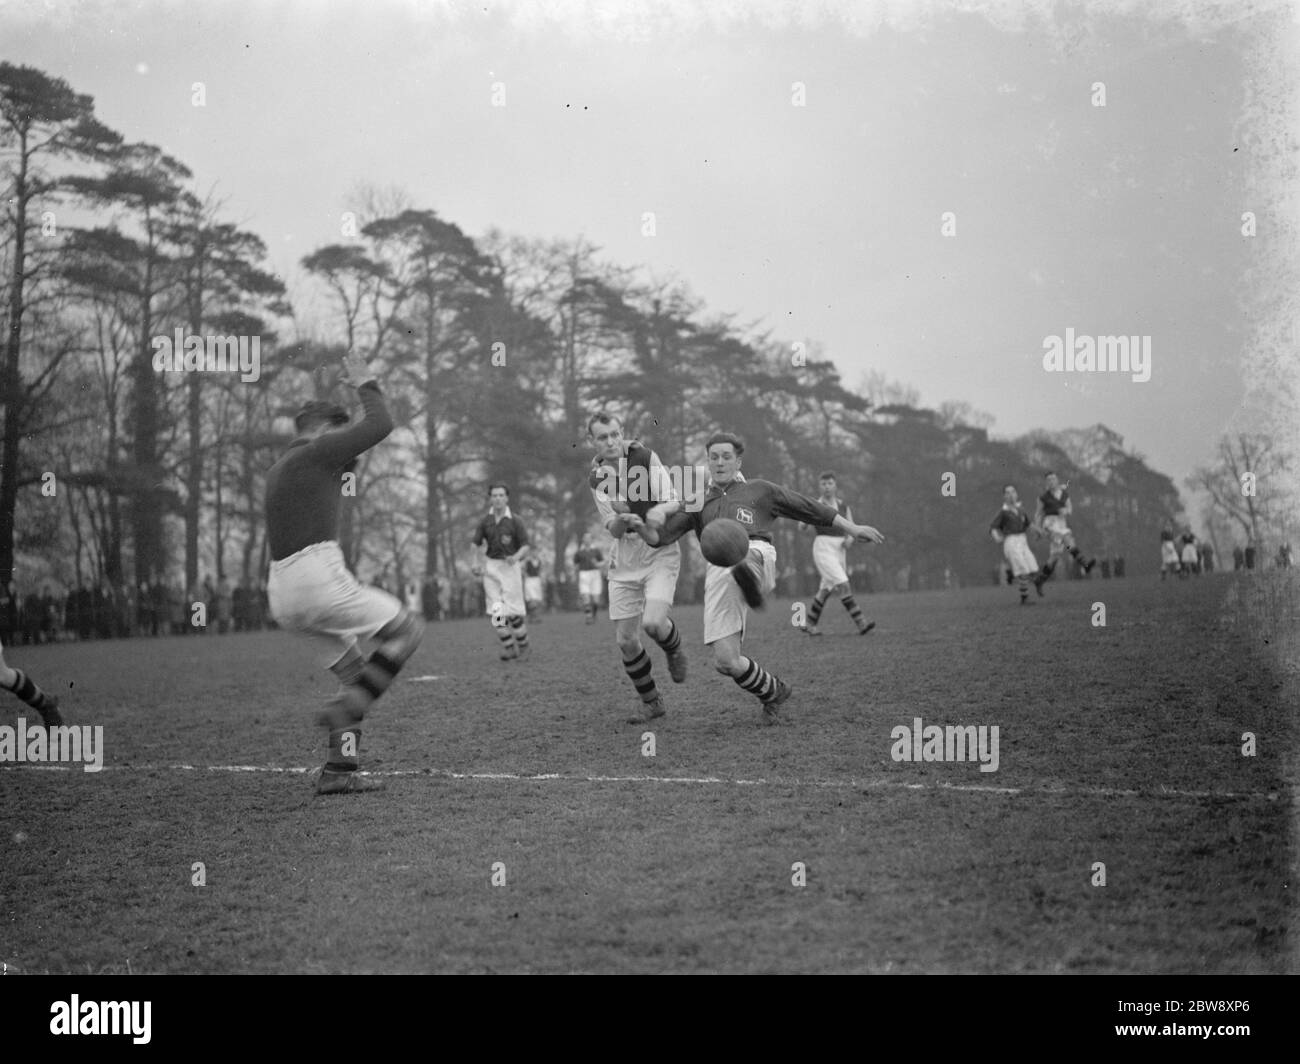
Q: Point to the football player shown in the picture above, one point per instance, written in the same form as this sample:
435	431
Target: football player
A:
1009	528
830	555
504	545
627	480
1168	553
729	593
1189	558
310	589
23	687
588	560
1054	507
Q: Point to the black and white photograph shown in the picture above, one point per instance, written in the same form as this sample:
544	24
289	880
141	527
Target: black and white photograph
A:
650	487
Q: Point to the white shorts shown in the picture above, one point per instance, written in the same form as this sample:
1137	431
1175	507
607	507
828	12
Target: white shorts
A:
1015	548
533	588
503	583
640	573
589	583
1190	557
724	606
1168	552
831	556
1060	532
312	593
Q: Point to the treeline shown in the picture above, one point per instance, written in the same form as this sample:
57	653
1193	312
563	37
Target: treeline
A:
493	352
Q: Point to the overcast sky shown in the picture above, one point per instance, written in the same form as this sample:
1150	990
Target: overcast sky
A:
821	221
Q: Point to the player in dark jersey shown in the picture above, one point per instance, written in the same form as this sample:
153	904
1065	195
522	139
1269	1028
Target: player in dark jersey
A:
504	544
1054	507
588	561
1010	528
1189	557
756	504
830	555
627	481
310	588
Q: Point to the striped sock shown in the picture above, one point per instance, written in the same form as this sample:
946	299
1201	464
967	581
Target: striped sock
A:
638	671
815	607
855	611
506	636
1022	582
345	746
28	691
671	643
520	630
757	680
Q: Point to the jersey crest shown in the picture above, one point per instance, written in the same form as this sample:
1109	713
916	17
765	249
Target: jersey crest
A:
744	516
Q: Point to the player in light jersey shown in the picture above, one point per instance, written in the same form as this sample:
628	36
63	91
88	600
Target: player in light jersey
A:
1168	553
627	480
1009	528
1054	507
830	555
310	588
729	593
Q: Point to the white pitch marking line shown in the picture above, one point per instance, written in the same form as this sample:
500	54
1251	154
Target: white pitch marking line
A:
545	777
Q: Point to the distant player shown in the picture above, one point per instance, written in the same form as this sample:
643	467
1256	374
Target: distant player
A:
310	588
1054	507
729	593
588	561
504	543
830	555
19	684
533	593
1010	528
1189	556
1169	561
627	481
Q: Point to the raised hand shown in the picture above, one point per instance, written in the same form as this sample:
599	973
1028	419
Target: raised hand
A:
355	370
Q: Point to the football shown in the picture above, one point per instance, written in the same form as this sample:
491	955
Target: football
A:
724	542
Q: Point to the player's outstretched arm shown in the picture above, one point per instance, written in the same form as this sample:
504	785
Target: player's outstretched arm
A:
673	529
863	533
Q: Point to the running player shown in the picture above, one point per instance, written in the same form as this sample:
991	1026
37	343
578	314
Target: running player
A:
588	560
1054	507
534	595
1189	556
729	593
627	481
1168	553
504	543
310	589
1009	528
19	684
830	555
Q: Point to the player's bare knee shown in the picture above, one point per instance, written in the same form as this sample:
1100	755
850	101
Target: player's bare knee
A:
629	643
726	663
656	630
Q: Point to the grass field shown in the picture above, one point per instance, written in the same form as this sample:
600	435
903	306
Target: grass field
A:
1119	744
